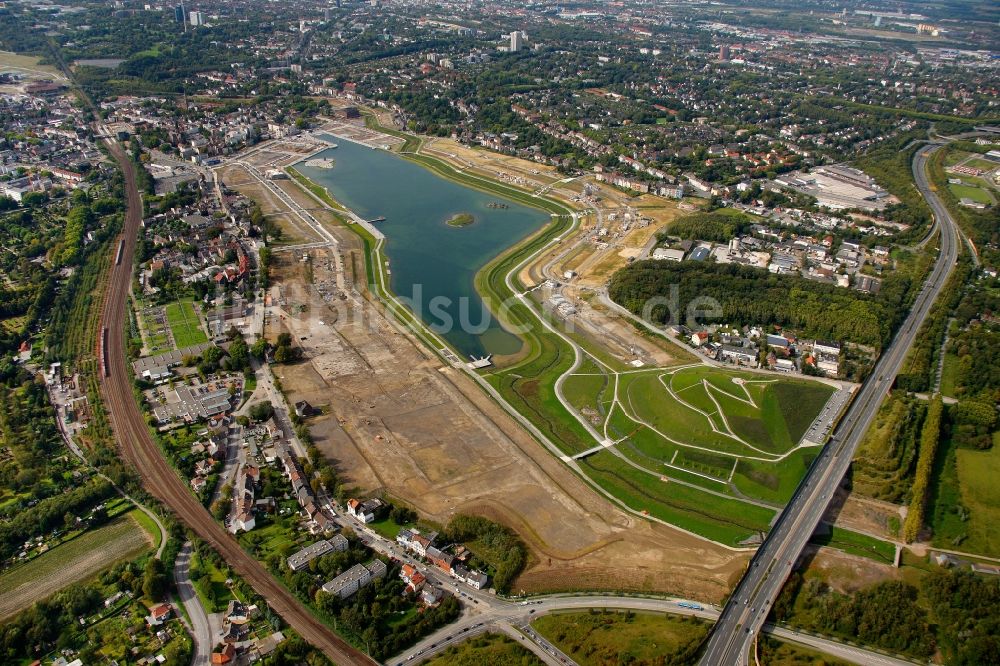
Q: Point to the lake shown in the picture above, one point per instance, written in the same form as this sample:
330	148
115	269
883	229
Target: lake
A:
433	264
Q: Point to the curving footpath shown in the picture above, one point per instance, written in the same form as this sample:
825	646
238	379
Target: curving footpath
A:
137	446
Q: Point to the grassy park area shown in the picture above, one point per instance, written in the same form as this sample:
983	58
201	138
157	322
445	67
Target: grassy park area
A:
496	649
977	194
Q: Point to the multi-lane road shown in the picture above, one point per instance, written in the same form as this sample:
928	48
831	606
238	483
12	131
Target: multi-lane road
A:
137	446
744	614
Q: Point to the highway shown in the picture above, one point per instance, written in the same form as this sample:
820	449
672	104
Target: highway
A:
137	446
744	614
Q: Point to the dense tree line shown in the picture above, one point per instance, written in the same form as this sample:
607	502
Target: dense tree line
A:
886	615
747	295
495	544
930	435
28	429
884	466
49	514
920	369
954	611
889	165
966	609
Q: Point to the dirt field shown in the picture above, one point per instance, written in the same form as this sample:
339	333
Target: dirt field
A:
28	67
865	514
294	231
395	420
71	562
846	573
523	173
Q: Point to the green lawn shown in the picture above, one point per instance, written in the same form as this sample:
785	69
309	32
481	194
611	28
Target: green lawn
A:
857	544
949	375
147	523
211	587
778	653
985	165
185	324
978	472
727	521
602	638
387	527
708	409
492	649
977	194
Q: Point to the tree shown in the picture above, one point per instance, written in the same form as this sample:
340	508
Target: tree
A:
154	580
402	515
261	411
239	355
283	354
259	348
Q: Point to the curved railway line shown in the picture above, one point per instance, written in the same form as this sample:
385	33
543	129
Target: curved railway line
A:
137	446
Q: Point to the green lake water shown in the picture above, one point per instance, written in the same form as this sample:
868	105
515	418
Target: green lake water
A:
433	264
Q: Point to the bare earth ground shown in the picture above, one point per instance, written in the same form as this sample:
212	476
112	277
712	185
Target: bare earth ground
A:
865	514
29	68
396	420
844	572
72	562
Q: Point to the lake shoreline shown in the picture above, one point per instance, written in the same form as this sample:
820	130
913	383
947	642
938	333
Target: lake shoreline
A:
473	327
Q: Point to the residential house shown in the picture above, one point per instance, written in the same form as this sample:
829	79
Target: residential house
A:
440	559
224	655
159	614
365	511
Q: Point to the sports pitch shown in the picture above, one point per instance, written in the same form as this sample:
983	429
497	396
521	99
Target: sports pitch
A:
185	324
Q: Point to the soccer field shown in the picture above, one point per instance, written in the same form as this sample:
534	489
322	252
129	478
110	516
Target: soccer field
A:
185	324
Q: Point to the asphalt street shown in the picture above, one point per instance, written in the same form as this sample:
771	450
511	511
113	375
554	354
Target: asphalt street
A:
201	628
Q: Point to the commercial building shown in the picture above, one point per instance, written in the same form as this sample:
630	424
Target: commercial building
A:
664	254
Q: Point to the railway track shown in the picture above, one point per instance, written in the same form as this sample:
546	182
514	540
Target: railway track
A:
160	479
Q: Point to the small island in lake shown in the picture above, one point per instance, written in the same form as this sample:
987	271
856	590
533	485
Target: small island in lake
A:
461	220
